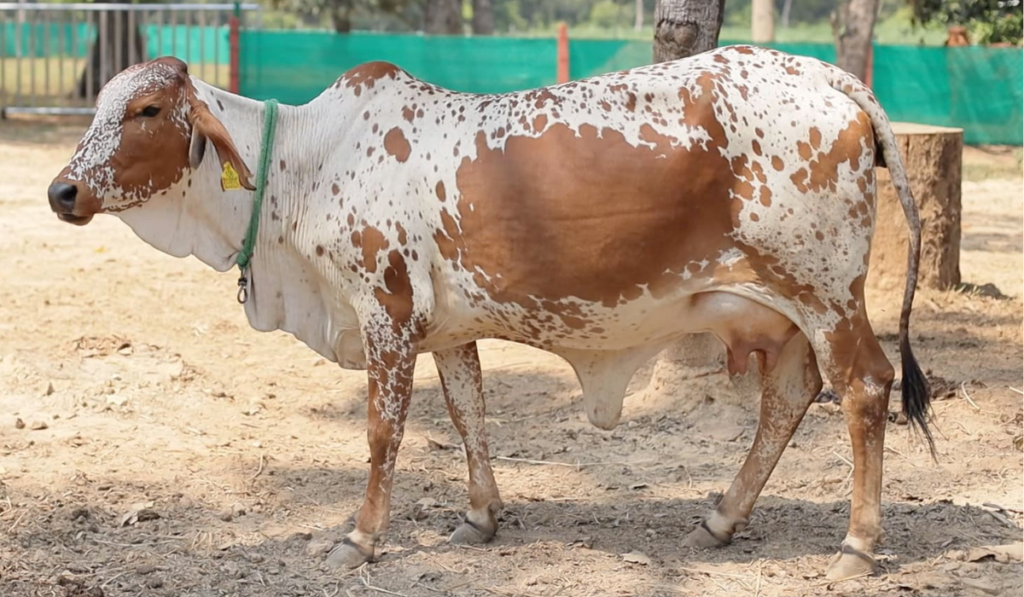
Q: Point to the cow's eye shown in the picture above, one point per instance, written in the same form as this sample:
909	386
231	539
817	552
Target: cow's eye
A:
150	111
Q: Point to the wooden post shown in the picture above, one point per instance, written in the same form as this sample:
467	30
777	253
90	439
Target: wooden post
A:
233	41
563	53
932	156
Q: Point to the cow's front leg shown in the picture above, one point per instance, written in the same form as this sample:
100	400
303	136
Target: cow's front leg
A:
461	381
389	368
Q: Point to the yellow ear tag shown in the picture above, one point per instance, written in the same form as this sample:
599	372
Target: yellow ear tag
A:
229	178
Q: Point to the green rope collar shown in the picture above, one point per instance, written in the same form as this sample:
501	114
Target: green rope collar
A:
244	259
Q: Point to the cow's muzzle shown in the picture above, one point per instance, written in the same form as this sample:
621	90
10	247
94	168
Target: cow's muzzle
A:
63	199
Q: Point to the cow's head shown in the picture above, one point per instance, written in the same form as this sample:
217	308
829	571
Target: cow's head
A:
150	128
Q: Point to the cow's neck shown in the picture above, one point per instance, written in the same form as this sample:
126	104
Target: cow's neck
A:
197	217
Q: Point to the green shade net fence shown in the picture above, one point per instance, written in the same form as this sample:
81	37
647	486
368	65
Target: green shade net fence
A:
208	44
295	67
975	88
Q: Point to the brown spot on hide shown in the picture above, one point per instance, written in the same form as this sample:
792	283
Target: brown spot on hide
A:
597	237
371	241
397	145
397	300
439	190
849	146
744	190
815	137
662	144
368	74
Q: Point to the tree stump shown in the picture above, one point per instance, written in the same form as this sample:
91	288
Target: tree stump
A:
932	156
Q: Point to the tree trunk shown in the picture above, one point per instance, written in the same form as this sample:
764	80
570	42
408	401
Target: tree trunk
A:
683	28
116	49
638	20
852	26
686	27
787	7
762	21
341	17
933	158
442	17
483	17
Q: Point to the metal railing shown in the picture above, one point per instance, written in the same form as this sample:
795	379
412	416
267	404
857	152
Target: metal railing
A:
54	58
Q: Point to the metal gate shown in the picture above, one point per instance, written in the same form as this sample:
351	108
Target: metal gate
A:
54	58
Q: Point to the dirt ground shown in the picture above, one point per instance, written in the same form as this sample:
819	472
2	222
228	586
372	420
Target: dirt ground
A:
152	443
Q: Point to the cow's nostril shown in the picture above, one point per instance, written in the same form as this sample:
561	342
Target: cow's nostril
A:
62	197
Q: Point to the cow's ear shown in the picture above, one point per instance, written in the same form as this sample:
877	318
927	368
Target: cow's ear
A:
196	148
208	128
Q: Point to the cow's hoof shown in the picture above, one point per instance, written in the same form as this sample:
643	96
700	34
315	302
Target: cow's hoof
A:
702	538
470	534
851	563
347	555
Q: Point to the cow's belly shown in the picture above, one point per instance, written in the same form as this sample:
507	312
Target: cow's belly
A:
743	316
574	325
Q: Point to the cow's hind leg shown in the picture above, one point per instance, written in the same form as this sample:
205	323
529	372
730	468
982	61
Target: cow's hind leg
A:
389	368
790	381
461	381
862	375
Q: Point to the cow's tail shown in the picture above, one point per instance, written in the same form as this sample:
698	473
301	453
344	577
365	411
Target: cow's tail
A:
916	394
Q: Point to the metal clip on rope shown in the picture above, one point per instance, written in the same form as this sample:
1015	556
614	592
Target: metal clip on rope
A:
243	289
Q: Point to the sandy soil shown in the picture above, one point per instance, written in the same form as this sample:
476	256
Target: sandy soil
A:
151	443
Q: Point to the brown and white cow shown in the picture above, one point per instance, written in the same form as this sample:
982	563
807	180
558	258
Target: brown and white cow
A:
601	219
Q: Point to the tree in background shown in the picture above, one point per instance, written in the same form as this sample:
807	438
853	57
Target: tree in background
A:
119	47
853	23
341	14
483	17
442	17
686	27
683	28
987	21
